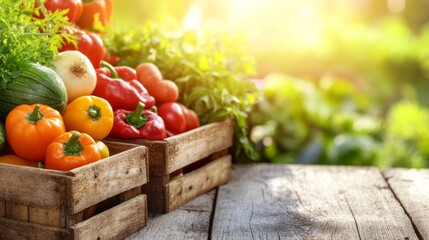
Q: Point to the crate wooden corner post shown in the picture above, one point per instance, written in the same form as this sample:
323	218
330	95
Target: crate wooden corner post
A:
202	155
48	204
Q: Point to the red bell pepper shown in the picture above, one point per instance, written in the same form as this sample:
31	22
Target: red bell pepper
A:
139	123
118	85
90	44
75	8
103	9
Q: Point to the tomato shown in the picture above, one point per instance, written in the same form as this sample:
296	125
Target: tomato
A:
173	116
192	120
164	91
148	73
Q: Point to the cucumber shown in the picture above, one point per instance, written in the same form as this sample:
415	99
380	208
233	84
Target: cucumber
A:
34	84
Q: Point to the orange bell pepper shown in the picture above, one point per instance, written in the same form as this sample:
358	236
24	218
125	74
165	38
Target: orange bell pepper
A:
16	160
92	9
31	128
71	150
89	114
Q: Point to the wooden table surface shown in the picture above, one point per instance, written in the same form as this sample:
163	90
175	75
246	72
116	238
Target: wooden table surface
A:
269	201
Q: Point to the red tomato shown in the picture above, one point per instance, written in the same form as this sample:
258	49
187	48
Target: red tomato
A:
164	91
192	120
173	116
148	73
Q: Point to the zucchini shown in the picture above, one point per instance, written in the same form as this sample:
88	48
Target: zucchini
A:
34	84
2	136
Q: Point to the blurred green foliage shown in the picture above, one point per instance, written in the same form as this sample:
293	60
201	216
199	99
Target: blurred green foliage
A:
300	121
369	105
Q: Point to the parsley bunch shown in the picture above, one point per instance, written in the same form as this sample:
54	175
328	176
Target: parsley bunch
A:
25	39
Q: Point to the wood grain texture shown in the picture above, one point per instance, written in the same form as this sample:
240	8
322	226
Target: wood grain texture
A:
411	187
308	202
19	230
20	185
2	208
103	179
156	192
190	221
197	144
118	222
197	182
48	217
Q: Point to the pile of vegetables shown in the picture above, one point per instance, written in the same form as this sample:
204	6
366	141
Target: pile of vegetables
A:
60	100
211	72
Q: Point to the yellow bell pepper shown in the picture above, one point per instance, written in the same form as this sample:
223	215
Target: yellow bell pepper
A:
89	114
103	149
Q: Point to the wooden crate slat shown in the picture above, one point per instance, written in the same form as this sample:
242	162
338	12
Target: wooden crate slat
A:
50	217
157	153
127	195
116	223
2	208
185	188
156	192
32	186
17	211
189	147
20	230
411	187
106	178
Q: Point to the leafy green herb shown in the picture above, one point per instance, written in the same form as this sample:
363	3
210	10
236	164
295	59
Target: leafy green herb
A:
26	39
210	71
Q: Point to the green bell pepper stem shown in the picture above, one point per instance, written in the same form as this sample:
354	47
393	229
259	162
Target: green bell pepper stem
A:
136	118
73	146
112	70
35	116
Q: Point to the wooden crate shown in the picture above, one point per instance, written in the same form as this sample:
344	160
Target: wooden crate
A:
201	153
102	200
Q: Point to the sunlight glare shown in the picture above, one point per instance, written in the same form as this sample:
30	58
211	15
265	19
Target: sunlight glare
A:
193	18
396	6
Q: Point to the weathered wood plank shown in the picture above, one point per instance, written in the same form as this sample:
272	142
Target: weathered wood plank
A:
205	140
191	221
123	220
308	202
17	211
2	208
20	230
199	181
48	217
106	178
21	185
411	187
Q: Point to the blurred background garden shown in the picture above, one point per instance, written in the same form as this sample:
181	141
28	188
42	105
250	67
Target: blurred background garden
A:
338	81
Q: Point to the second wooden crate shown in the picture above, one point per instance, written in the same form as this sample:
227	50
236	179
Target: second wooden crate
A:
201	154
